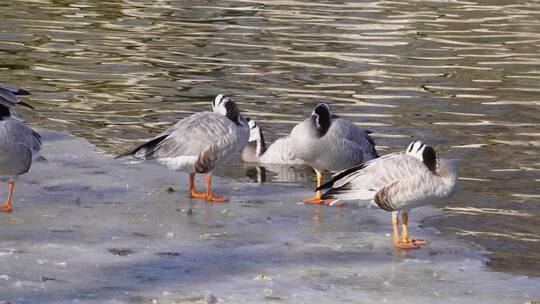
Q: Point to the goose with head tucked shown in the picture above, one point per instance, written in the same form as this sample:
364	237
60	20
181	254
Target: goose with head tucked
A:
326	142
397	182
19	144
199	144
256	151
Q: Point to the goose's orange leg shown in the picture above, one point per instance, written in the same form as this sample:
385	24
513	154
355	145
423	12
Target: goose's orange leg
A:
397	242
317	199
405	231
192	192
6	207
209	195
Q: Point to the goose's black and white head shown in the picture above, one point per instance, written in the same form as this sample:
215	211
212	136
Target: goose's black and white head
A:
322	117
224	105
255	133
424	153
256	137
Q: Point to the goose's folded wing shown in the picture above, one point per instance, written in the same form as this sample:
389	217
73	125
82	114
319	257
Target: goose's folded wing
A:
213	155
363	181
22	134
195	134
355	134
36	142
405	193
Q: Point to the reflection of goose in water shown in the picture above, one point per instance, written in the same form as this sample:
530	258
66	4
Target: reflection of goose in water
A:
277	158
278	173
327	143
199	143
19	144
397	182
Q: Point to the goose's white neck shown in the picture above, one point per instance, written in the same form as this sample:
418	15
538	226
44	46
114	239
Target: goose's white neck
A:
256	146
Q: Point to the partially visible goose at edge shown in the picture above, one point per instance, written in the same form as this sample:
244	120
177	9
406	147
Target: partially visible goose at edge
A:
328	143
199	144
256	151
19	144
397	182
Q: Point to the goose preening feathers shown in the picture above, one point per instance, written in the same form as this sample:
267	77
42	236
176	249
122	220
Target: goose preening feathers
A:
328	143
397	182
199	143
279	152
19	144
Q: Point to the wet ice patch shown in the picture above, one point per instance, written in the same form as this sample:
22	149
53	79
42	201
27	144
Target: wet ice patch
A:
90	229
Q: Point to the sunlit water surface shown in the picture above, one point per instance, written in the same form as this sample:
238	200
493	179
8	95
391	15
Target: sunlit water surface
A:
461	75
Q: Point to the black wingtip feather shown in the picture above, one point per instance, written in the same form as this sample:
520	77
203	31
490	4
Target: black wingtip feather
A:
127	153
22	103
149	146
22	92
326	185
327	195
339	176
334	192
14	90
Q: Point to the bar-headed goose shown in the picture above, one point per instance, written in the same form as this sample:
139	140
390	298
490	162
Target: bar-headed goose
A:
326	142
256	151
199	144
19	144
397	182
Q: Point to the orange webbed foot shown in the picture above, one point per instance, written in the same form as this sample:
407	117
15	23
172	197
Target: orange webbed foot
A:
316	200
6	207
195	194
406	245
419	242
216	198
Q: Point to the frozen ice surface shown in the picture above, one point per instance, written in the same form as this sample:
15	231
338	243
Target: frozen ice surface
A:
87	228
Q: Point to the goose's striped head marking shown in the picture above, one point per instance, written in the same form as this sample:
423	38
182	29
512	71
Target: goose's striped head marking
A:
322	116
218	106
254	131
424	153
256	136
224	105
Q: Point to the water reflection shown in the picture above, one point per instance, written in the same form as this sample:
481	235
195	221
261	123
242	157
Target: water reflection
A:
461	75
279	173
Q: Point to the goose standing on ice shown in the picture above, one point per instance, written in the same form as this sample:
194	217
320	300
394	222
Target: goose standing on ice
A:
256	151
397	182
19	144
326	142
199	144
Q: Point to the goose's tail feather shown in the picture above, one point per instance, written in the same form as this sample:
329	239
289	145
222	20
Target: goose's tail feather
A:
146	150
338	176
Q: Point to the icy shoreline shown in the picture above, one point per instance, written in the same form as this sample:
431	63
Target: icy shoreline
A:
90	229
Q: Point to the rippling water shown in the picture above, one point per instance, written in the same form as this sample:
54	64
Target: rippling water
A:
462	75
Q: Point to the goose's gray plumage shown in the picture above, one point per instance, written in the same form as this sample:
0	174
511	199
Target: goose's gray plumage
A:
397	182
199	143
329	143
19	144
279	152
